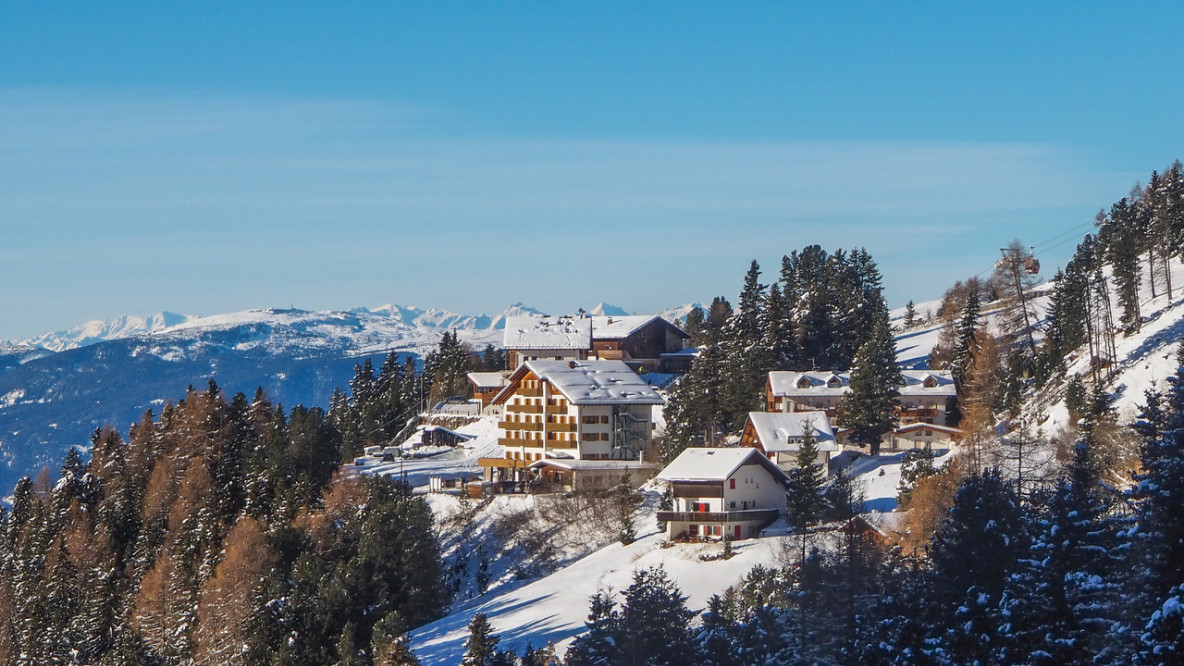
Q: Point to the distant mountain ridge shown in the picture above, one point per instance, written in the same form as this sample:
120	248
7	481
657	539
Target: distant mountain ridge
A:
57	388
100	330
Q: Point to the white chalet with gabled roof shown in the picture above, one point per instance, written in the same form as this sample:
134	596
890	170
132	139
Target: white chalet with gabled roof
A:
728	493
582	410
779	435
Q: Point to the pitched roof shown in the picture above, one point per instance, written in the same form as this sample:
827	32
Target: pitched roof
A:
785	383
588	382
487	379
697	464
929	426
547	333
776	430
619	328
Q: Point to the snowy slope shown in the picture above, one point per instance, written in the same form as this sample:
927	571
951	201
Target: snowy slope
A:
553	608
1145	360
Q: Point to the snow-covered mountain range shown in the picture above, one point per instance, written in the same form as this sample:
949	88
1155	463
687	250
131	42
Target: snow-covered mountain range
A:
56	388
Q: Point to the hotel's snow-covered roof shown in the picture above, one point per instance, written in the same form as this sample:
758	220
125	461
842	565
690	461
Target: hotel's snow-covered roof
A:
547	333
589	382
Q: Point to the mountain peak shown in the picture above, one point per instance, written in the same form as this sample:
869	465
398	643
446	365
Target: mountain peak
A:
603	309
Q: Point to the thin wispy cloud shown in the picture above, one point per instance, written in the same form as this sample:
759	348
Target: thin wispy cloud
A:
191	173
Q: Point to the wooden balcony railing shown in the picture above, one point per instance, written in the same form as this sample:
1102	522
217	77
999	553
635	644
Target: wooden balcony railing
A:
529	392
536	427
525	409
766	515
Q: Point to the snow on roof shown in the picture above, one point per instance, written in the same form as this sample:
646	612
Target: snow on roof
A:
618	328
696	464
687	351
458	435
788	383
779	431
929	426
547	333
590	382
488	379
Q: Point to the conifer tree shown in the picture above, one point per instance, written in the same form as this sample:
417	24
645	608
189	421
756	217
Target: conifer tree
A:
870	408
1062	604
910	315
654	626
597	646
805	481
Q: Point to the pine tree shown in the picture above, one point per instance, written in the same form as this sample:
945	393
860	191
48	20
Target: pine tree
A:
910	316
805	481
1061	606
964	337
654	625
745	357
965	585
598	645
1159	498
870	408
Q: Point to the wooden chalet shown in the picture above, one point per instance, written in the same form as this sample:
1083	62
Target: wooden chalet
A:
640	341
779	436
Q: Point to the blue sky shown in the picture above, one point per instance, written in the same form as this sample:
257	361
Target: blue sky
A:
212	157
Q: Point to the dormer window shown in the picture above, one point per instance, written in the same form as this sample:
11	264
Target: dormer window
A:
930	382
834	382
804	383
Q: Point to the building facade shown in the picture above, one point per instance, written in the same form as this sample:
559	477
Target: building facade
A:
728	493
580	410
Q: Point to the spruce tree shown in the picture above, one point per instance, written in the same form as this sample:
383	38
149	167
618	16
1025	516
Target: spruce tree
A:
805	481
481	645
870	407
598	645
910	316
1062	604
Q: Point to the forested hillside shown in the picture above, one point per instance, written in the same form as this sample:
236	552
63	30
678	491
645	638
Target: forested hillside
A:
217	532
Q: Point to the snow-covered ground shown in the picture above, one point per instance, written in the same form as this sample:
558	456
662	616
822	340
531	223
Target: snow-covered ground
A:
554	608
460	462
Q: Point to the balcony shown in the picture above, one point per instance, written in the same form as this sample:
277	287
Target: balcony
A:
753	515
524	409
536	427
529	392
917	414
519	425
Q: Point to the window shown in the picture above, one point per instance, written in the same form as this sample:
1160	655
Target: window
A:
803	383
732	486
604	436
590	437
588	420
604	419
